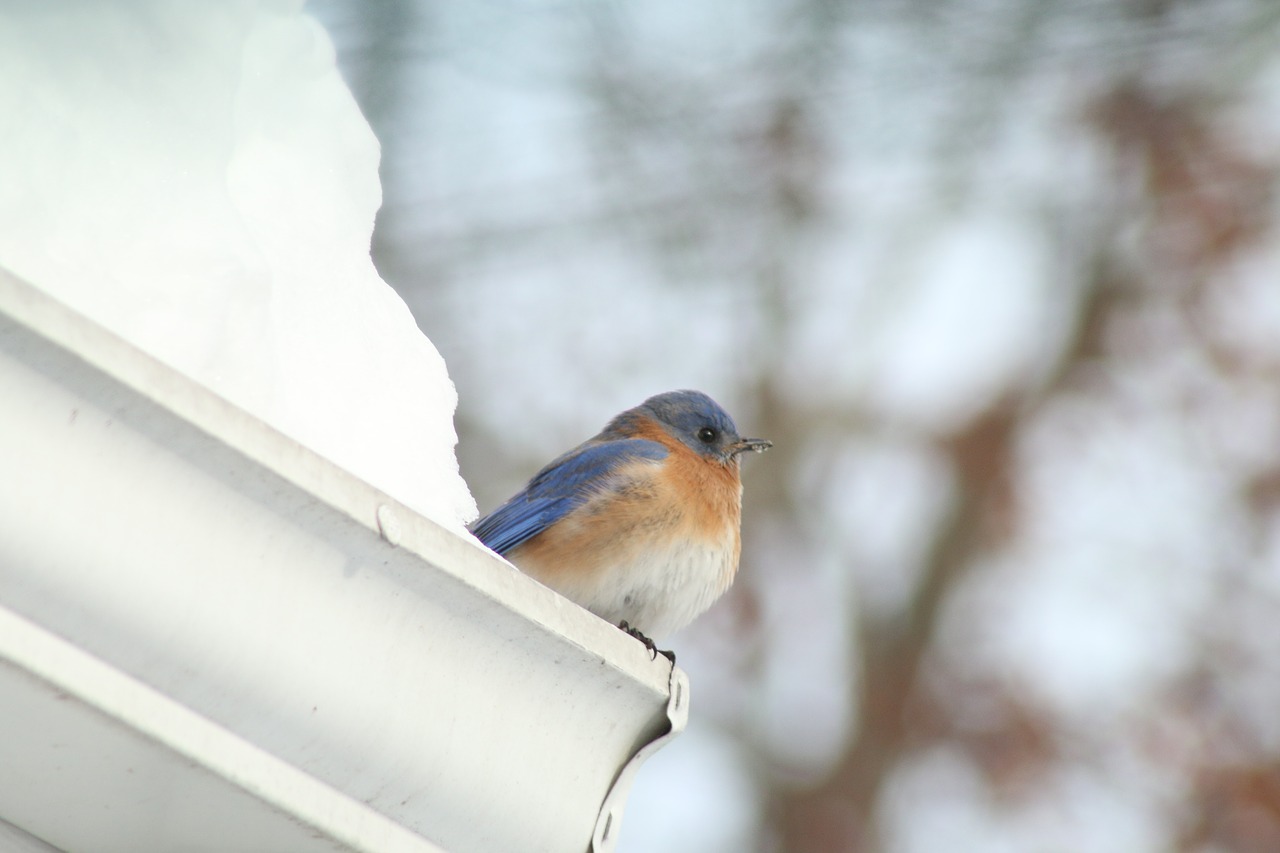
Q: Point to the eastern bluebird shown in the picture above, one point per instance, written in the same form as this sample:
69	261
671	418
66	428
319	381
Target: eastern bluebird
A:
640	524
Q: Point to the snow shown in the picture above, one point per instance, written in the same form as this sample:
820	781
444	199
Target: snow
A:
198	179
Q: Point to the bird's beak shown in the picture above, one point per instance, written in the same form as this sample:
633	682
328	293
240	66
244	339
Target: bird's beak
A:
742	445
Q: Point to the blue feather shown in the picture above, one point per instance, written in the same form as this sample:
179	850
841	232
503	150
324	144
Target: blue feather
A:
559	489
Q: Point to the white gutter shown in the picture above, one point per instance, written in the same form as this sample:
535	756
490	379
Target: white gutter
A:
212	638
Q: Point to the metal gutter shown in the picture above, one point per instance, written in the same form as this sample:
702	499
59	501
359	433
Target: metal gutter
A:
212	638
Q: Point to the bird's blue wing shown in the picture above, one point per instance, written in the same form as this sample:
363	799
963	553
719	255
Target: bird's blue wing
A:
558	489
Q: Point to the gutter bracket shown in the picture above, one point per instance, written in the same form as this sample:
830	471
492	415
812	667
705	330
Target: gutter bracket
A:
608	825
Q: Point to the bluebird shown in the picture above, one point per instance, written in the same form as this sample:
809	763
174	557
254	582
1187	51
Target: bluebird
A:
640	524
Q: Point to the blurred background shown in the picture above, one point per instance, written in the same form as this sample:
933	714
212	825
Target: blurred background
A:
1000	279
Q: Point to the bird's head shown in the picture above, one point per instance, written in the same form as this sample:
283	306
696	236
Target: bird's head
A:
698	421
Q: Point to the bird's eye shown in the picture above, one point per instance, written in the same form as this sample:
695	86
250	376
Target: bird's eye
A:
707	435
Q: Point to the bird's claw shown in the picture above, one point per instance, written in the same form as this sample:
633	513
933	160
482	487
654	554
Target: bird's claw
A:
654	651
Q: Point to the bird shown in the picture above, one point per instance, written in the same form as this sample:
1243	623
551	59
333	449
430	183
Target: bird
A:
640	524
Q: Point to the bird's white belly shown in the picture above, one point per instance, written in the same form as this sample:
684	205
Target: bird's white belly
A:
660	590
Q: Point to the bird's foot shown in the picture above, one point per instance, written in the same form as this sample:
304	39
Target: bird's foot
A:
654	651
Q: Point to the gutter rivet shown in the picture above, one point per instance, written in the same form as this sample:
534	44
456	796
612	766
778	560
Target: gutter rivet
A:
388	524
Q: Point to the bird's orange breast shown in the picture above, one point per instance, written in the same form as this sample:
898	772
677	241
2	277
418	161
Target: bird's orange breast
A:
680	505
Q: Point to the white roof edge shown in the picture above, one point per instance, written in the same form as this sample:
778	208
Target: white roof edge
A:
159	537
257	441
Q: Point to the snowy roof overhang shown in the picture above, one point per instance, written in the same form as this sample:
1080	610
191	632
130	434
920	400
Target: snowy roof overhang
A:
213	638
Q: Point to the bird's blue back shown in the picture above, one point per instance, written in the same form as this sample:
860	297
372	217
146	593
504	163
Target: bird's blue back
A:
561	487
